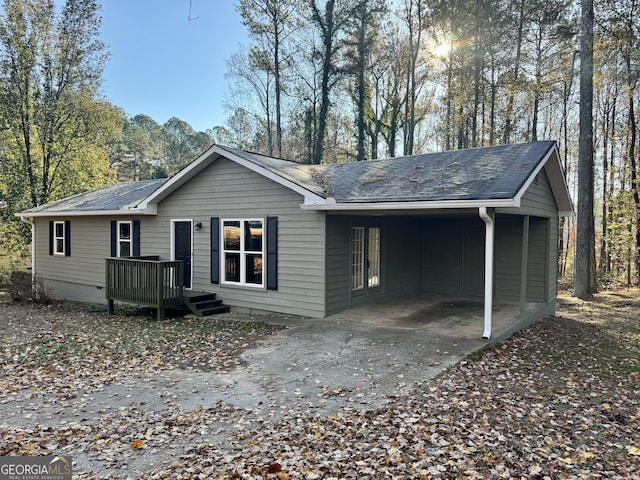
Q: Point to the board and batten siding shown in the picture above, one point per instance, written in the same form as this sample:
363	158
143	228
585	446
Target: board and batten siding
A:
229	191
443	254
508	257
403	253
79	276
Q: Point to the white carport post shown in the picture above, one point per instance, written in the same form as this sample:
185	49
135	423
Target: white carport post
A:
489	221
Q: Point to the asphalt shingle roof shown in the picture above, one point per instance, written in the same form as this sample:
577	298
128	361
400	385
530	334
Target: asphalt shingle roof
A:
487	173
121	196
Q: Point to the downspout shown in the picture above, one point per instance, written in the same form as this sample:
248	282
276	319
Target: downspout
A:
33	250
488	269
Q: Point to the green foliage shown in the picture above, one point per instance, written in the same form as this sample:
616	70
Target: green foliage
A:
50	70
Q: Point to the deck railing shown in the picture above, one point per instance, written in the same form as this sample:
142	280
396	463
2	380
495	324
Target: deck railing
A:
145	281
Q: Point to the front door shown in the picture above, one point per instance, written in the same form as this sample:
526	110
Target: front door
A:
182	247
365	260
473	266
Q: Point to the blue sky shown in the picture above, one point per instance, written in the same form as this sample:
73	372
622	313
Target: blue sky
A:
164	65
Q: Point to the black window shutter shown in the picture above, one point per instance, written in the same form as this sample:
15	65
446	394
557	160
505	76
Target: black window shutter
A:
136	238
272	253
67	238
51	237
215	250
114	238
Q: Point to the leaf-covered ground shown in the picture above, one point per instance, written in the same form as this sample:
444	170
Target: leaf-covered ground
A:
559	400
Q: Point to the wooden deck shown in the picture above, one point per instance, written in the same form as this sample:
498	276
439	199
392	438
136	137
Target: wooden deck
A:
145	281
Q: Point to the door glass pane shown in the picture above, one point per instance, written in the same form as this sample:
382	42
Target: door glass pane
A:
232	267
357	259
254	269
231	235
125	249
253	236
374	258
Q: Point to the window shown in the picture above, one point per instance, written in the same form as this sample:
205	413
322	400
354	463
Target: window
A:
124	239
58	238
243	252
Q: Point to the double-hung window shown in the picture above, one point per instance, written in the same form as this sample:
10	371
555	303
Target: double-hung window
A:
59	238
124	239
243	251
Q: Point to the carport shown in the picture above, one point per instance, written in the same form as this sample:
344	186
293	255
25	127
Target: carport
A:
479	225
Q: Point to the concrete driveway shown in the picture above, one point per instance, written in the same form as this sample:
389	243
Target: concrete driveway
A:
360	357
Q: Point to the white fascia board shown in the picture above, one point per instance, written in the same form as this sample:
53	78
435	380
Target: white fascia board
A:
151	210
444	204
534	174
206	159
557	182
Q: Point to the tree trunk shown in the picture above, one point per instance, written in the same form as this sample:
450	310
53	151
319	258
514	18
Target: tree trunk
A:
585	238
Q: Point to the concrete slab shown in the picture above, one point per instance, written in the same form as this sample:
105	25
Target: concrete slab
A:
366	356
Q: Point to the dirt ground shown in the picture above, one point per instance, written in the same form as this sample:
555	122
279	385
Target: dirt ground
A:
558	400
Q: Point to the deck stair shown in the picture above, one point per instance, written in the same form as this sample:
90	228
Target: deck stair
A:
204	303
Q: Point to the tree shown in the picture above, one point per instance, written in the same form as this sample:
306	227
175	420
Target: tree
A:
143	148
329	24
363	25
270	22
50	71
585	240
181	144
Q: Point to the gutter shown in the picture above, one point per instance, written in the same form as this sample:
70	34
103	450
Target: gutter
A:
148	210
331	205
488	270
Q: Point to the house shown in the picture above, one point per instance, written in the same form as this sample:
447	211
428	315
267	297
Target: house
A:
312	240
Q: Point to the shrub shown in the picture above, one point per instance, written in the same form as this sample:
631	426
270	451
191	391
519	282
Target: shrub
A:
22	287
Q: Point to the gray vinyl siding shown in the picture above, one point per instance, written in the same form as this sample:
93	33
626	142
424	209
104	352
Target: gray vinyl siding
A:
508	257
537	200
230	191
79	276
402	241
338	263
400	260
443	254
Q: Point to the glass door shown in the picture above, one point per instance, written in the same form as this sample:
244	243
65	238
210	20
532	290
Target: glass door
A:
365	260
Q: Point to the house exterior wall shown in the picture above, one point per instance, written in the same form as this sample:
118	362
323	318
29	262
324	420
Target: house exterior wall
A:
230	191
400	258
538	201
79	276
508	258
444	264
443	253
